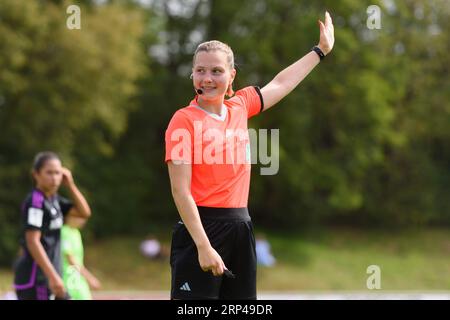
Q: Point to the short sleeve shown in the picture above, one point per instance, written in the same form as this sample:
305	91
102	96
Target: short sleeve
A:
33	210
65	205
179	139
251	99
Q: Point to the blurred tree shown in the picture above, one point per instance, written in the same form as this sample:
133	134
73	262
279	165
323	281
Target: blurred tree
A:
60	89
414	179
363	140
349	153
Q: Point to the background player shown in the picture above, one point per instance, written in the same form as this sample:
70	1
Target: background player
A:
38	271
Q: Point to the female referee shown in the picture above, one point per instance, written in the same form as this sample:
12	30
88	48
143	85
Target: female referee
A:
207	152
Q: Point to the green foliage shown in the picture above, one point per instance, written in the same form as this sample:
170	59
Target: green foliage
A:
61	89
363	140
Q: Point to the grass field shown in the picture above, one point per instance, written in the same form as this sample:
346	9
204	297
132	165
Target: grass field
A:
328	260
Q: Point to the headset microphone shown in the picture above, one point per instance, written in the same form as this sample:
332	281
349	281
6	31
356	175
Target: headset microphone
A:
199	91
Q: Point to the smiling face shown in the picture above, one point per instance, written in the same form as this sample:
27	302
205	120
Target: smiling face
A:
213	74
48	178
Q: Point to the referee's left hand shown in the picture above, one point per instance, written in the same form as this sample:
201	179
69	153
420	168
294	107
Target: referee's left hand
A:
326	41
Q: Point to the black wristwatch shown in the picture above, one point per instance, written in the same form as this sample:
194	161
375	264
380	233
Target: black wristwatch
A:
319	52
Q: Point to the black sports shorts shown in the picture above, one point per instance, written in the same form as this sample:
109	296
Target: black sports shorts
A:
230	232
36	292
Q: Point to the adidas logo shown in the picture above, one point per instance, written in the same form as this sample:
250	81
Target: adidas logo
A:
185	287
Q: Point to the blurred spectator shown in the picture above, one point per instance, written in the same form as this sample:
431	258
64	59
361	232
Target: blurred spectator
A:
151	248
264	256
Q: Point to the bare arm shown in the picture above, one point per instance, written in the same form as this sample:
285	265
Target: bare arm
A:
81	207
90	278
285	81
32	238
180	180
288	79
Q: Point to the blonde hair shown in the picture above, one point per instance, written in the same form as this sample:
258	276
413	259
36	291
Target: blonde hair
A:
214	45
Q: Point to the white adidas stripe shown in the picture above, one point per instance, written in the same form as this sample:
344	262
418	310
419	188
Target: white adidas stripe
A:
185	287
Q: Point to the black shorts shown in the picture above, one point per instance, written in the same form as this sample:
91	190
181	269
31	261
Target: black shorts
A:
230	232
36	292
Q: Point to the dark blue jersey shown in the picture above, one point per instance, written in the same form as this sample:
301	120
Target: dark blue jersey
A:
45	215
